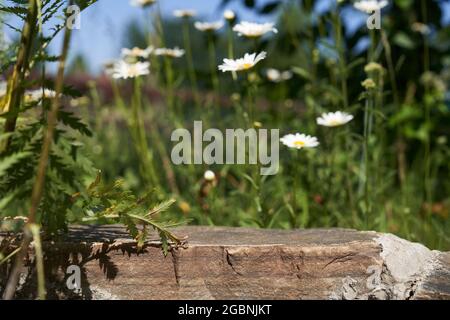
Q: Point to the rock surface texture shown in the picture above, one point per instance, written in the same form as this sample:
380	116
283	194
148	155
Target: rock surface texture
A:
235	263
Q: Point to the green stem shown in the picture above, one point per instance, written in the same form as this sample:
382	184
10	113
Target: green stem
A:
367	180
38	186
165	160
348	180
297	189
35	231
190	61
426	47
342	60
15	90
334	151
231	47
400	140
248	114
311	42
213	63
9	256
427	153
145	155
373	45
160	25
168	69
255	45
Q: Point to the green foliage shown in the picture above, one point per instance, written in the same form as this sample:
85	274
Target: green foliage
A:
408	148
65	198
110	203
409	112
66	172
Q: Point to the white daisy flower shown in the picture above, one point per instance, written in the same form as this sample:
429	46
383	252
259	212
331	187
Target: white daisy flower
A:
229	15
299	141
334	119
208	26
125	70
370	6
254	30
142	3
209	176
245	63
137	52
275	75
108	67
39	94
186	13
172	53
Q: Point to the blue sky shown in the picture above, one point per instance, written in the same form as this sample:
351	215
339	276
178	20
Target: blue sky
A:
103	23
101	33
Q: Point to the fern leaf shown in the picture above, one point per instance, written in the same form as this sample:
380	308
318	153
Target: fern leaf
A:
163	206
9	161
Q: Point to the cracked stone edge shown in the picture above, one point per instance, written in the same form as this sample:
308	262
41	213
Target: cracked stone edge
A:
406	266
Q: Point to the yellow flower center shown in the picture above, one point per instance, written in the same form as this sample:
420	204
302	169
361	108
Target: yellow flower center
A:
299	143
335	122
136	51
247	66
133	71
